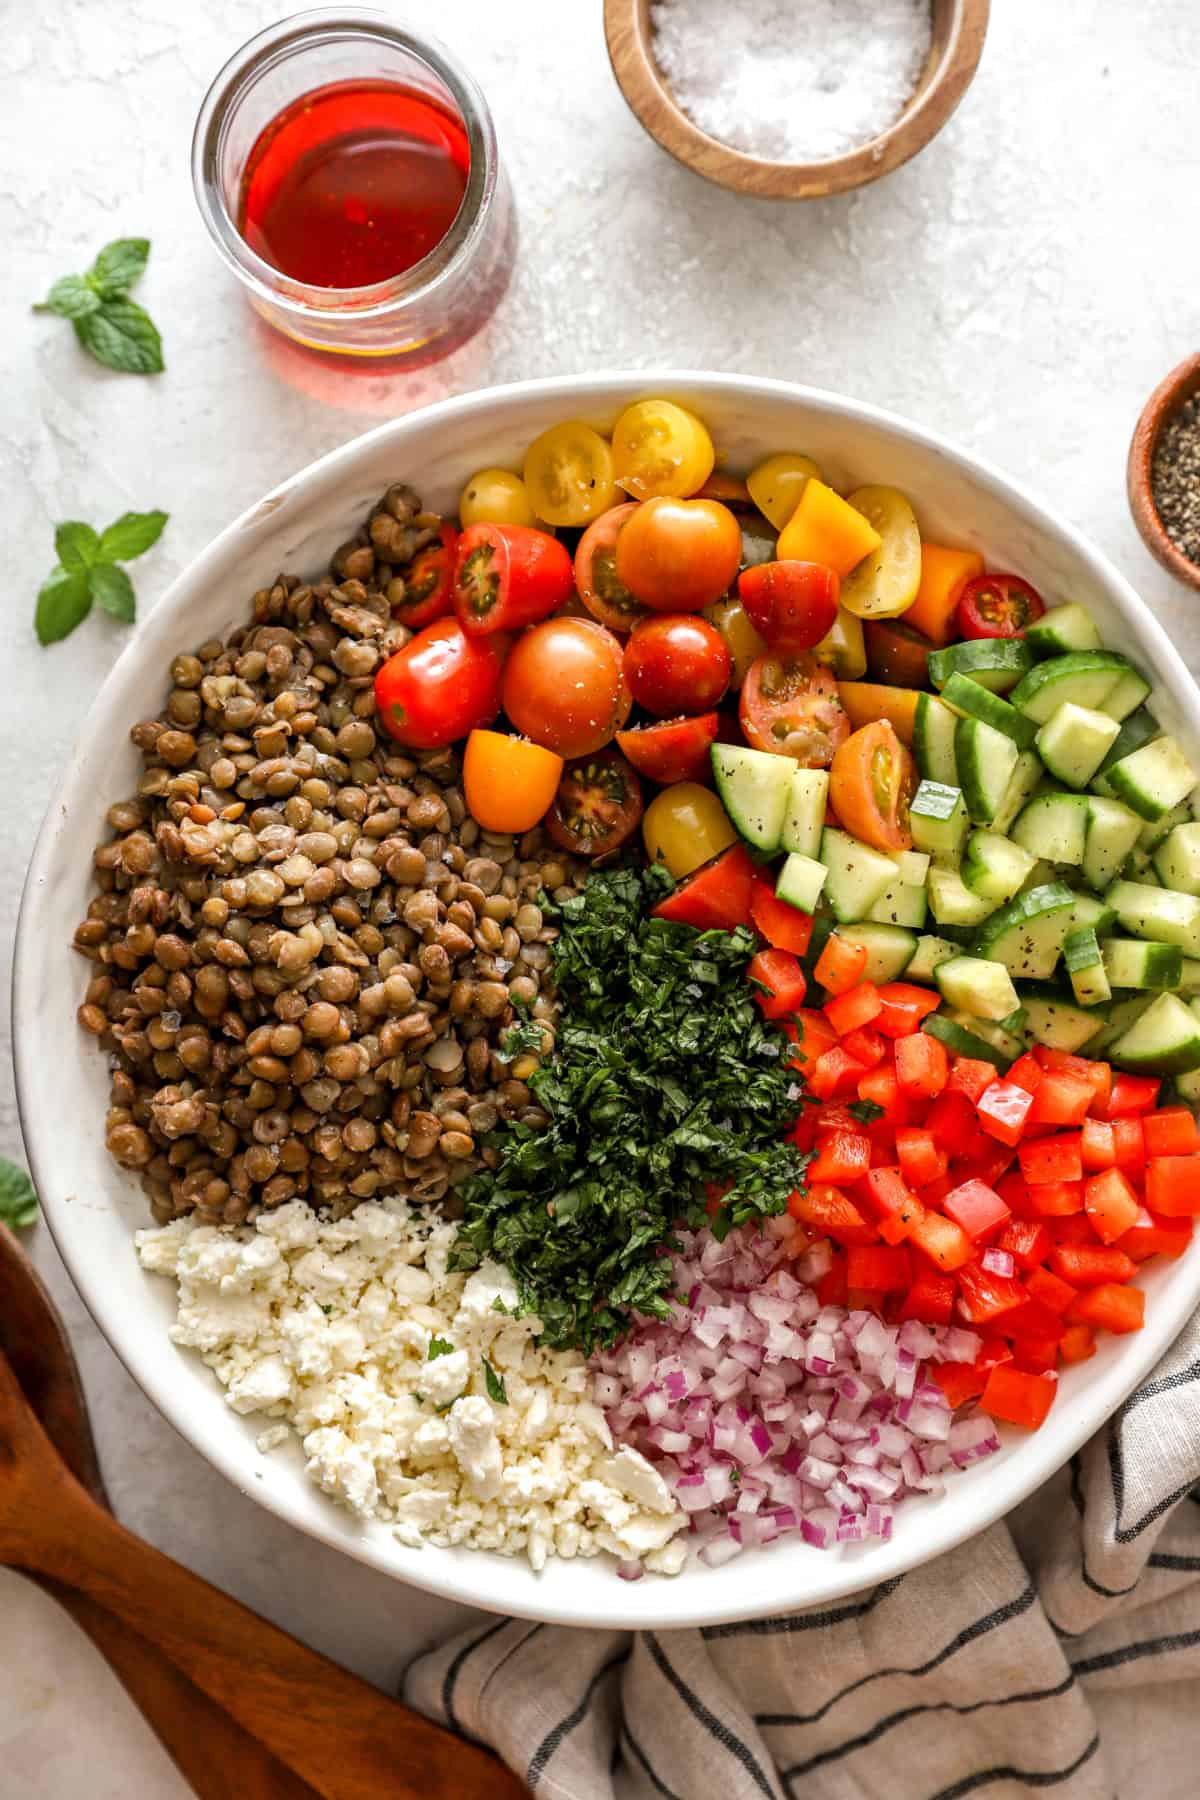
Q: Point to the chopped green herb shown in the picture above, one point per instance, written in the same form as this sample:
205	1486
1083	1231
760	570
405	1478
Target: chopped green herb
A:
735	1475
520	1038
18	1201
865	1111
438	1346
493	1384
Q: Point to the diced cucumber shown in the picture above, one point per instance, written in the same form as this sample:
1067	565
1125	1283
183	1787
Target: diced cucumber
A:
1085	676
804	817
1112	831
1187	1086
754	786
1164	1041
1134	963
1042	874
983	989
889	949
1053	826
1073	742
1158	914
1005	1035
903	903
1177	859
954	904
1189	976
800	881
961	1041
857	875
1118	1017
1141	727
1152	780
1085	966
1155	830
1028	933
970	701
986	760
1055	1022
1063	629
938	817
933	740
1095	914
993	866
995	663
912	867
930	951
822	930
1130	690
1021	784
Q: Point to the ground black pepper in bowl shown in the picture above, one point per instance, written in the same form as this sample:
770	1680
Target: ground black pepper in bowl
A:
1175	478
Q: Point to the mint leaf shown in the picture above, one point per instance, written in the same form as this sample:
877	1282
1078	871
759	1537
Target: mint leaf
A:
493	1384
64	599
77	545
131	535
122	336
865	1111
438	1346
118	266
113	590
70	298
18	1201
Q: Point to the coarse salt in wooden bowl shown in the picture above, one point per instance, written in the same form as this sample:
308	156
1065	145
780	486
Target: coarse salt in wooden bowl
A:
1163	404
959	28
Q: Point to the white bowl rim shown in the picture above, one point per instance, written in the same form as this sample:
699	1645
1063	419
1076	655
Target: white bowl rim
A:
672	1603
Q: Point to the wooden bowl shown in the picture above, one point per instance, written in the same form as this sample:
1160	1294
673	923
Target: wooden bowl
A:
1163	403
959	28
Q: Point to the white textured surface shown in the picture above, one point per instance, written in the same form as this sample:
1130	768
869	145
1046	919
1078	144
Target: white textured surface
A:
1021	285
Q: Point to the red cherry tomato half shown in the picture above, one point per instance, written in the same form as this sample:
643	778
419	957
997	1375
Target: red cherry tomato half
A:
673	749
791	604
507	576
998	606
598	805
790	703
677	663
441	686
596	581
428	583
564	686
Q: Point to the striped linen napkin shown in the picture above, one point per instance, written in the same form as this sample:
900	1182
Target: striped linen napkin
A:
1058	1651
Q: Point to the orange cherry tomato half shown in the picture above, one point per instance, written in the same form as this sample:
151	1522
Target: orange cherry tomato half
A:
673	749
871	784
790	703
564	686
596	581
441	685
599	805
679	555
509	784
677	663
791	604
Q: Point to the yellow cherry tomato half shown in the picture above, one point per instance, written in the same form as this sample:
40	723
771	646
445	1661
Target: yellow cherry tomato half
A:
741	640
686	826
495	497
777	484
885	582
569	474
509	783
661	448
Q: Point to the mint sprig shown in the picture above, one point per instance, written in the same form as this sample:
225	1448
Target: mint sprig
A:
18	1201
88	571
110	326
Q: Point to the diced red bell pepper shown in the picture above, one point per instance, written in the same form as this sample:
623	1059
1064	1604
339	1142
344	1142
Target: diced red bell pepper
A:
920	1158
1052	1159
1171	1132
1111	1308
959	1382
902	1007
1091	1265
951	1119
1077	1343
1033	1318
930	1298
935	1191
1073	1228
888	1191
1003	1110
865	1299
971	1076
1036	1355
895	1228
831	1212
1131	1094
833	1075
812	1035
977	1208
853	1009
1129	1144
1097	1146
1015	1195
983	1296
1111	1205
879	1266
1017	1397
1173	1185
835	1115
1056	1199
717	897
785	927
1026	1072
1027	1242
1098	1073
1149	1236
922	1065
880	1087
1061	1099
1050	1289
945	1244
840	965
841	1156
781	982
831	1289
865	1046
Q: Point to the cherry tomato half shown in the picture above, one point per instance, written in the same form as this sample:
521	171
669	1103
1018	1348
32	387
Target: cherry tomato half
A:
568	474
596	581
564	686
423	593
679	555
790	703
495	497
742	641
508	783
676	663
673	749
506	576
440	686
998	606
897	655
871	783
598	805
792	604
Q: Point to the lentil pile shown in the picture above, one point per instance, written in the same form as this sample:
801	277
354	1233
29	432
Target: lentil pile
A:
1175	478
307	956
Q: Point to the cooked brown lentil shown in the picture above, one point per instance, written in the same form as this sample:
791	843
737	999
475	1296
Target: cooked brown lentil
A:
305	951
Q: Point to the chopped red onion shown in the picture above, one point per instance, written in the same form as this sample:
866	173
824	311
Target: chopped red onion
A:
999	1262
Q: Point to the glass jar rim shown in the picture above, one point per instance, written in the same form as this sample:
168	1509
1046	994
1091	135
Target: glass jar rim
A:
235	79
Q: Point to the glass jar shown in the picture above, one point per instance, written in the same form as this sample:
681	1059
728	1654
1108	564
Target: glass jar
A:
439	302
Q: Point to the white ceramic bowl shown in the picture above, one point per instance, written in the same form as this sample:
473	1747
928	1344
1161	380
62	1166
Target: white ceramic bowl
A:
93	1209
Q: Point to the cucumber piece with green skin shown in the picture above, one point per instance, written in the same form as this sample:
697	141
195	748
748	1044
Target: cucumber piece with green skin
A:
995	663
954	904
1091	913
1164	1041
800	881
933	740
986	760
1177	859
1085	676
1053	1020
1111	833
1158	914
1141	727
1054	827
983	989
912	867
1008	1036
1043	874
804	817
1074	741
857	875
1085	966
1063	629
823	927
1021	785
1028	933
754	787
993	866
970	701
889	949
930	951
1134	963
960	1041
1128	694
1153	780
903	903
938	819
1118	1017
1187	1086
1155	830
1189	977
